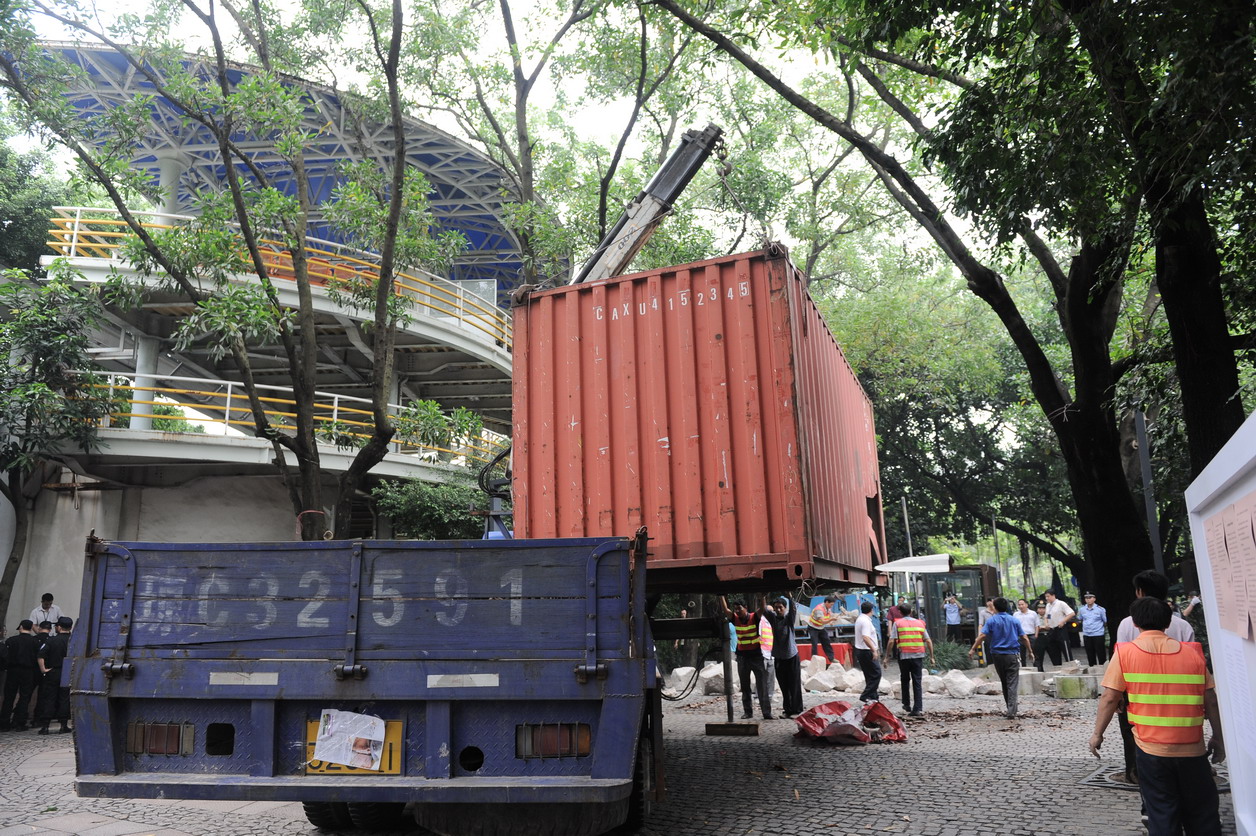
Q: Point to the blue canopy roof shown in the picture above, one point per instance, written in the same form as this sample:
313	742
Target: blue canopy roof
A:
468	189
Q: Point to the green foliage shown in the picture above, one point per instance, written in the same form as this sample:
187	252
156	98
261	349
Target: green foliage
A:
465	426
950	655
423	422
28	191
49	398
167	417
426	511
343	435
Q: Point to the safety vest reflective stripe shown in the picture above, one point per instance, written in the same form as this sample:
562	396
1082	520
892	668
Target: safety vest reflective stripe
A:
1171	699
1167	678
1149	720
1166	692
911	635
747	636
765	635
819	616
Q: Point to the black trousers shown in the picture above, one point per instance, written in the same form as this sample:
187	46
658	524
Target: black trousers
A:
751	661
789	677
871	667
1178	793
54	701
911	673
1057	640
18	687
1008	667
1096	649
822	636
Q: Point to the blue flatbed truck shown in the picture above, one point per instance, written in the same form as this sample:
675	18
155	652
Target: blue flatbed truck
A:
516	679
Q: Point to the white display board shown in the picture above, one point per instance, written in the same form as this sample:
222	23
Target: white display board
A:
1222	505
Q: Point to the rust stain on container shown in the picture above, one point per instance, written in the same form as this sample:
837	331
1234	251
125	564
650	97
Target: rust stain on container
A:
708	402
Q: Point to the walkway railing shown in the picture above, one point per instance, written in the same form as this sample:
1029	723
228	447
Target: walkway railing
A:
221	407
86	232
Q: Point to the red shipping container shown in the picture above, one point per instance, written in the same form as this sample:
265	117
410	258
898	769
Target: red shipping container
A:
709	403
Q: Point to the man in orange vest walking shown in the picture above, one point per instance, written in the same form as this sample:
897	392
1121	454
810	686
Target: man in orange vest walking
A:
1170	693
911	638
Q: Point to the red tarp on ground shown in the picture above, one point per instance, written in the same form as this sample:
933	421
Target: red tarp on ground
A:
840	722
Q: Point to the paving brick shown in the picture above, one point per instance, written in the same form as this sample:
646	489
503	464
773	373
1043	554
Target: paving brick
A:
962	755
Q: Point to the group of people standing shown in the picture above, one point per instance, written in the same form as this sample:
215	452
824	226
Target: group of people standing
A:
31	661
764	637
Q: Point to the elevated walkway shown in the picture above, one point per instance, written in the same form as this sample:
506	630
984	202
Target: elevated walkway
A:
453	346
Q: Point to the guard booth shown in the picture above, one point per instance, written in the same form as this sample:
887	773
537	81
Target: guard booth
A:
929	578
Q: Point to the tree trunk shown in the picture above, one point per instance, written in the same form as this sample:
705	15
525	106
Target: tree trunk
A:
1189	274
21	532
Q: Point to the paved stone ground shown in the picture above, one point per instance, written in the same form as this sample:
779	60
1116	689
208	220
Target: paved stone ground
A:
965	771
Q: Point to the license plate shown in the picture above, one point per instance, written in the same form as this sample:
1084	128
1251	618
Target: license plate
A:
390	760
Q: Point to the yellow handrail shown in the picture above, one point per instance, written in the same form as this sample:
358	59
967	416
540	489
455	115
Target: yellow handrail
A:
231	409
97	233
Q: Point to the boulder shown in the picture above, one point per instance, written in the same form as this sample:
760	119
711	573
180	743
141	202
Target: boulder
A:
816	664
1077	687
932	684
853	680
678	679
711	680
957	685
1072	666
896	690
884	687
988	688
822	681
837	668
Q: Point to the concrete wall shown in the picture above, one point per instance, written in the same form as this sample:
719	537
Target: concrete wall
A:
208	509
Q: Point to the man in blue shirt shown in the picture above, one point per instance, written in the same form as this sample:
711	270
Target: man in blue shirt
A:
1094	621
1004	635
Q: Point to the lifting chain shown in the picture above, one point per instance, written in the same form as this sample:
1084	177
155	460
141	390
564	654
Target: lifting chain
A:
766	237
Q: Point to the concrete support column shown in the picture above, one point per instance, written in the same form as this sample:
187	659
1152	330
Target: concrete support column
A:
170	167
145	369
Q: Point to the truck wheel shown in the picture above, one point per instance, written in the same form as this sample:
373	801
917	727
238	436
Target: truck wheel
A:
522	819
641	802
378	815
328	815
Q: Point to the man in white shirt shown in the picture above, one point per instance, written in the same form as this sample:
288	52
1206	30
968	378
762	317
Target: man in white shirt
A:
1151	584
1029	626
46	611
866	652
1059	614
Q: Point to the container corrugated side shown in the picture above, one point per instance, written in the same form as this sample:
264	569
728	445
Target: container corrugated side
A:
671	399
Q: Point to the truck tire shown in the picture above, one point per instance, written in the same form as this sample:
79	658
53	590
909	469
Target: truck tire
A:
328	815
378	815
522	819
641	802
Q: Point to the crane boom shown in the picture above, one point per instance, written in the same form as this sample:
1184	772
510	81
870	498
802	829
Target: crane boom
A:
647	210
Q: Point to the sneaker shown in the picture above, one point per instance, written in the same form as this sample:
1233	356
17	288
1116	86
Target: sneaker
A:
768	717
917	714
747	716
43	730
64	730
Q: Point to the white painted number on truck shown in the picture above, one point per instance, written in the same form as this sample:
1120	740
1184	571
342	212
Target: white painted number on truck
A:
383	593
514	579
322	585
264	599
449	598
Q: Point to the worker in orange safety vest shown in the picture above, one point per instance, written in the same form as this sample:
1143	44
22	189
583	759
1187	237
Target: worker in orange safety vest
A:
749	656
1170	694
818	622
